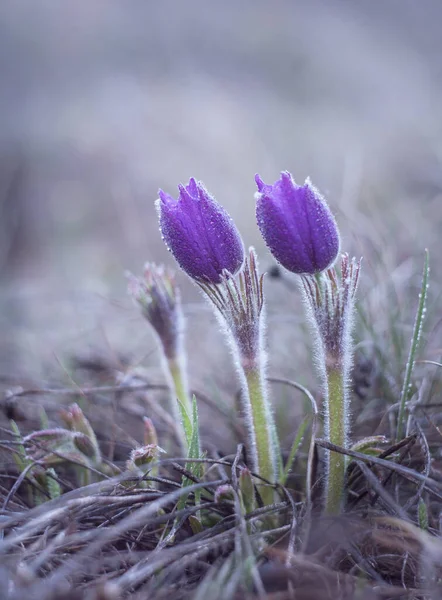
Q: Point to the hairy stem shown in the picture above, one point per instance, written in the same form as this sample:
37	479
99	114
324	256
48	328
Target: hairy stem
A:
180	391
336	429
261	428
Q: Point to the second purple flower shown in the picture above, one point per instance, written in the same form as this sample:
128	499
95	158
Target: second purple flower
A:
297	225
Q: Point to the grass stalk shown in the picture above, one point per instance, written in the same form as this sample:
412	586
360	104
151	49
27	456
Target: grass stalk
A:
415	339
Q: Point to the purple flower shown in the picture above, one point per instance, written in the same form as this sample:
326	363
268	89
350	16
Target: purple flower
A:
200	233
297	225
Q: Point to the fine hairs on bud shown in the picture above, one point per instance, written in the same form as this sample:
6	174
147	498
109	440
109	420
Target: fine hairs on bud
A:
159	298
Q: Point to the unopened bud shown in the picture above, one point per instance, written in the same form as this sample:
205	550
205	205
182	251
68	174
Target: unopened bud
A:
159	297
224	493
75	420
200	233
150	433
85	445
297	225
142	457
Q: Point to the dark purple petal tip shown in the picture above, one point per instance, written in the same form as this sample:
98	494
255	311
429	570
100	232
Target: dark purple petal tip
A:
200	233
297	225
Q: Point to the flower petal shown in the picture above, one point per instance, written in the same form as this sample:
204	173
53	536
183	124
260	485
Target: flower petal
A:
297	225
200	233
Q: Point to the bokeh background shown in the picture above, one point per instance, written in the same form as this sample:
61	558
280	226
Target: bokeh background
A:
103	102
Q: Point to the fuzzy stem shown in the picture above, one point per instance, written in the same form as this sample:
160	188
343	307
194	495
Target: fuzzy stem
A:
336	427
261	429
180	392
179	382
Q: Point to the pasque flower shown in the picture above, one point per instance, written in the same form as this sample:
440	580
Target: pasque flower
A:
330	302
208	247
297	225
200	233
302	235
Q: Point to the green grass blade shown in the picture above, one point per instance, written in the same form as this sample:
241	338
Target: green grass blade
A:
417	330
44	421
294	449
20	458
194	451
422	514
52	484
187	423
194	445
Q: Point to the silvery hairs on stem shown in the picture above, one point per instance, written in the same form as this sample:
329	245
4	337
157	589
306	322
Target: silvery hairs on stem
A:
240	306
329	299
301	233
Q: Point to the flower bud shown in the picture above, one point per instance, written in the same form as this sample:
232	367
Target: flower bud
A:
150	433
75	420
297	225
142	457
200	233
224	493
85	445
159	297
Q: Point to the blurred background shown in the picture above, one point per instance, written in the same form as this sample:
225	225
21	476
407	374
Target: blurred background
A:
103	102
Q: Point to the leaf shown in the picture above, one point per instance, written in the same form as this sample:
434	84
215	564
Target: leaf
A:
44	421
195	524
194	451
194	445
422	513
52	485
20	457
187	423
417	330
294	449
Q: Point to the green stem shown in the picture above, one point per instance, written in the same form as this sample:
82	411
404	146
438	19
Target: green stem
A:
177	372
84	476
262	429
336	427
